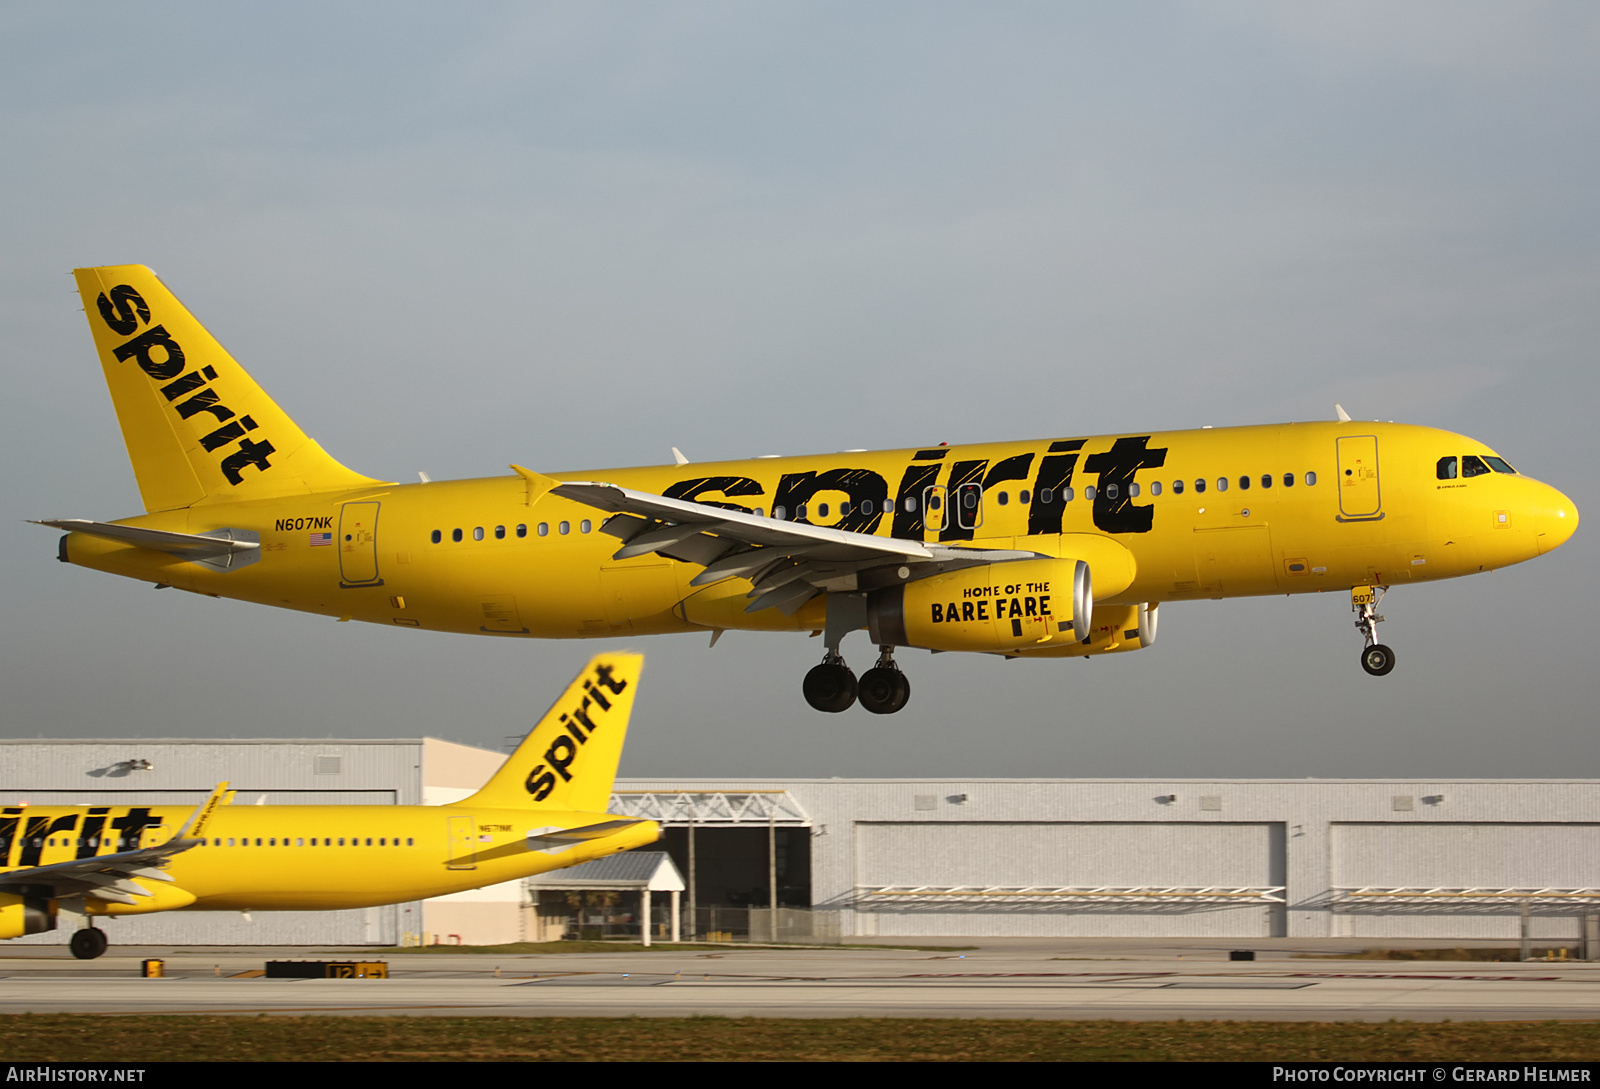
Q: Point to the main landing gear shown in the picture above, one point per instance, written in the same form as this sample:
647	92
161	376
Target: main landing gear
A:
1376	658
883	689
88	943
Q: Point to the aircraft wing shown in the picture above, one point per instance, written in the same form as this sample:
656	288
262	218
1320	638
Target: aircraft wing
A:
105	877
788	562
190	546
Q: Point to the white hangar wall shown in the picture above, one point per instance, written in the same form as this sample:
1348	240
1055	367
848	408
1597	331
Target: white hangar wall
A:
1176	858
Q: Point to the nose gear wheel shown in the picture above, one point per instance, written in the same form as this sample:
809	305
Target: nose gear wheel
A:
1376	658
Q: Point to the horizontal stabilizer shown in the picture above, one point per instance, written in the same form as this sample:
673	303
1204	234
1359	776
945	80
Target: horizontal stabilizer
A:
543	839
190	546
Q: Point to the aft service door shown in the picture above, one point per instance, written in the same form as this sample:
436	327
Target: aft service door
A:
1360	498
358	545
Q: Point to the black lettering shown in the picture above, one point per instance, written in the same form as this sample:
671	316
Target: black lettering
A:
222	436
1055	475
90	843
1029	606
249	453
1117	466
582	715
131	825
908	524
1012	468
1044	605
936	454
599	697
603	673
540	783
983	609
140	347
566	721
568	749
962	472
173	390
33	841
204	401
966	610
866	489
8	834
118	311
938	613
728	485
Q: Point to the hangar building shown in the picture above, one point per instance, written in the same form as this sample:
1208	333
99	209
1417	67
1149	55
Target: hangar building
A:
1381	859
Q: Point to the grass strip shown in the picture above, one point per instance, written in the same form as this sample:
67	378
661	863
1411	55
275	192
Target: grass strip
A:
145	1038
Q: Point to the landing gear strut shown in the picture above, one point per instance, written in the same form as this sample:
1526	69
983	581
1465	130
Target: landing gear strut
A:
88	943
883	688
830	686
1376	658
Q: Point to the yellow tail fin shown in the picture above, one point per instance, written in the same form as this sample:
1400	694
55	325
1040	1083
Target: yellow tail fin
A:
197	427
569	760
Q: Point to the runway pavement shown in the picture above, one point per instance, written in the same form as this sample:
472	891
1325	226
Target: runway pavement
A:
1016	979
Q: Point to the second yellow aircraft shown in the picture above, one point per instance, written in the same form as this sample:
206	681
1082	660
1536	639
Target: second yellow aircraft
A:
1059	547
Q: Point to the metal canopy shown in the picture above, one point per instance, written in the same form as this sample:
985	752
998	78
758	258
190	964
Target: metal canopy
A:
681	808
1103	894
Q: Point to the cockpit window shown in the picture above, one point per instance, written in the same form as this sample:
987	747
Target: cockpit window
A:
1447	468
1498	464
1472	465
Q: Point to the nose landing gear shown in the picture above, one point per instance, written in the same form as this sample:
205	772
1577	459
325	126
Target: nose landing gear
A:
1376	658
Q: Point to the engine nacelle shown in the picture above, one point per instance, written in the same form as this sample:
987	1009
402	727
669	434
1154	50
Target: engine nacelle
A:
1004	607
21	914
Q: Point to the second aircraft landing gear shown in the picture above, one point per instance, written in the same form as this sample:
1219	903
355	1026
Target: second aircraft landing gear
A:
883	688
830	686
88	943
1376	658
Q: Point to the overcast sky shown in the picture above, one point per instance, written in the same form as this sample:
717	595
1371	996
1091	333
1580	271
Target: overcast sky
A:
447	238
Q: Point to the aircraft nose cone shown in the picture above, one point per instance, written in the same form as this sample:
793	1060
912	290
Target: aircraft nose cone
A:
1556	522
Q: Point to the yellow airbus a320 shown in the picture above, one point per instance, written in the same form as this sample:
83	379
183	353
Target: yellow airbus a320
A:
1055	548
543	810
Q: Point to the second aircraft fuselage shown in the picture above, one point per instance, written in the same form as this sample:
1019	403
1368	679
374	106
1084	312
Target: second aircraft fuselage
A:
1211	513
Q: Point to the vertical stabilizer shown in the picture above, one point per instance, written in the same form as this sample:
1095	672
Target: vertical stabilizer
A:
197	427
569	760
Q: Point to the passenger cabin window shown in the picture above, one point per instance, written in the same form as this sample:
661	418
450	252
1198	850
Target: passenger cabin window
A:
585	526
1244	483
1133	491
564	528
1177	487
1222	483
499	533
1446	469
1022	496
477	533
455	535
522	531
1155	487
544	529
782	515
1311	478
437	536
1288	480
1200	485
1266	480
1088	493
910	504
1471	465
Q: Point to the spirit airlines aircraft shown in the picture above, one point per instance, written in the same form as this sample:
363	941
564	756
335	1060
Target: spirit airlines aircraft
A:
1056	548
543	810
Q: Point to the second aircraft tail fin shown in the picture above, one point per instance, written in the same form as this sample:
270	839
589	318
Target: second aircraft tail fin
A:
569	759
198	428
